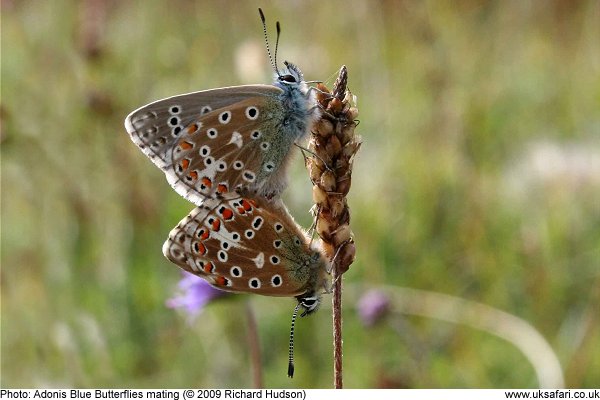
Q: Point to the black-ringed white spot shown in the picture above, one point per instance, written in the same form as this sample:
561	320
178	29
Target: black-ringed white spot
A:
200	264
174	110
278	227
277	243
205	110
249	176
237	164
256	134
222	255
297	241
209	161
249	233
276	280
235	236
212	133
254	283
257	222
225	245
204	151
264	146
221	166
274	260
269	166
173	121
225	117
252	112
236	271
176	130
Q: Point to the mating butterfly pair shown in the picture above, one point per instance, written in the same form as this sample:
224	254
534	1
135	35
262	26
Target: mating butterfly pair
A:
226	150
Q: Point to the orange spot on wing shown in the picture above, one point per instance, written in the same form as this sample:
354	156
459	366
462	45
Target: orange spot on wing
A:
193	175
192	128
221	281
227	214
246	205
185	163
222	188
185	145
209	267
201	248
204	234
207	182
216	225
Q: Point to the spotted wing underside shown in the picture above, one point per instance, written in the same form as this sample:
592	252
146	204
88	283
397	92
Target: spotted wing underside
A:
210	142
242	245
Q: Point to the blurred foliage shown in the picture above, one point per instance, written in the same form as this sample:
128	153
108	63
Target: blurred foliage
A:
479	177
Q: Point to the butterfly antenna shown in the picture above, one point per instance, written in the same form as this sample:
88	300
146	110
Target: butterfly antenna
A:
263	20
291	354
277	41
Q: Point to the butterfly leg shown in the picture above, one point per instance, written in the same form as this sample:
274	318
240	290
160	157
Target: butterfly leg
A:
304	149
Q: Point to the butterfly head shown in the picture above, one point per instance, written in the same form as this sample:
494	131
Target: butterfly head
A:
310	302
290	75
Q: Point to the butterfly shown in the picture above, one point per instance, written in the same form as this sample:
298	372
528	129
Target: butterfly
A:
251	245
228	139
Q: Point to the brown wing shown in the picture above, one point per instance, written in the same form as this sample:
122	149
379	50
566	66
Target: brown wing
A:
245	245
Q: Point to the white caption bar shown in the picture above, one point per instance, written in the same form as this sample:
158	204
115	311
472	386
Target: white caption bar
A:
304	394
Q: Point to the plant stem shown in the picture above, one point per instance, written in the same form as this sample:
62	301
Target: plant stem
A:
337	329
254	345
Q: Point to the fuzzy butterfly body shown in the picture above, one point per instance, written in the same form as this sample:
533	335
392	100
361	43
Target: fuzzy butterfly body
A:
229	139
249	245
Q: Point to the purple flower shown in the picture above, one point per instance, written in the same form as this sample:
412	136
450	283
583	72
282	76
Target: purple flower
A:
194	294
373	306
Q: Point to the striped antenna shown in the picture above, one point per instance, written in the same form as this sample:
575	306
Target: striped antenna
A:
263	20
291	359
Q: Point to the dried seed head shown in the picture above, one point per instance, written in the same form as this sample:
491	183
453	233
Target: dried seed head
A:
319	195
334	144
333	147
328	181
336	105
324	127
342	234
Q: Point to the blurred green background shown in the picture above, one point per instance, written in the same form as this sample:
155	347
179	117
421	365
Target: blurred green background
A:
479	177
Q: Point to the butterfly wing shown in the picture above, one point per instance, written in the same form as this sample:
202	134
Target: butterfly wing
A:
213	141
246	245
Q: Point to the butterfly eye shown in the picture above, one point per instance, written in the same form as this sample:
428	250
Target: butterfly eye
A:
310	304
287	78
